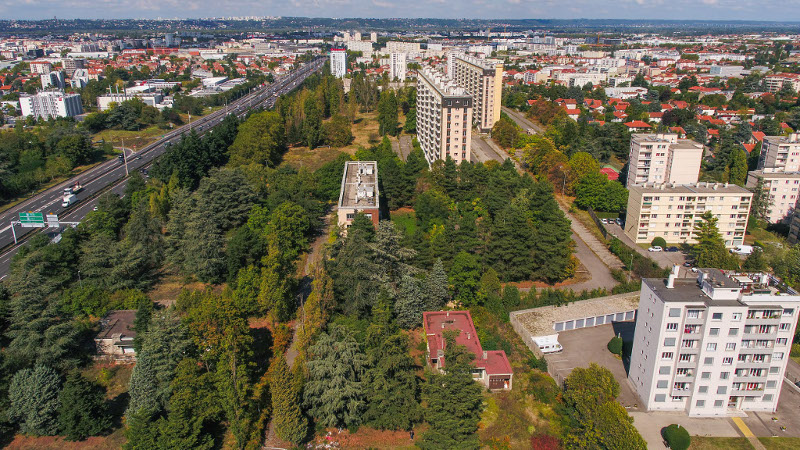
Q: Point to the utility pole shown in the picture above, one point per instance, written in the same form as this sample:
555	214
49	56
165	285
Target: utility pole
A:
124	157
14	232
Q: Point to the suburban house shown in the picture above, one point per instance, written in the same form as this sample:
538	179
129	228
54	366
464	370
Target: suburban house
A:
115	339
491	368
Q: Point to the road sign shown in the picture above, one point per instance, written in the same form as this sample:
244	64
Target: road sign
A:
31	219
52	220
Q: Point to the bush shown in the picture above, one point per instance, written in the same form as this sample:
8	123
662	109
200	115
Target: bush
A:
615	345
659	242
677	437
795	350
542	387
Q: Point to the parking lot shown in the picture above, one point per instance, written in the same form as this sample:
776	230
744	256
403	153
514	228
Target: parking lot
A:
588	345
663	259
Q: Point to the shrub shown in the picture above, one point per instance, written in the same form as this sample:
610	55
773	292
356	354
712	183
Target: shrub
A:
677	437
542	387
615	345
795	350
659	242
545	442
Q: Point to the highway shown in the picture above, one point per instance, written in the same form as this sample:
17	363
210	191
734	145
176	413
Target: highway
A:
111	175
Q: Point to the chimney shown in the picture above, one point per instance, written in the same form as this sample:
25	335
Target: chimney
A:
485	354
443	325
671	281
676	269
468	335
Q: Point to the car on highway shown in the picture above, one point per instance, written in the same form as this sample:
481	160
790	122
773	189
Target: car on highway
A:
655	248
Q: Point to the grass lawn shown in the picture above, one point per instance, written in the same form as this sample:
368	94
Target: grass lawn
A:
780	443
727	443
169	286
133	139
405	219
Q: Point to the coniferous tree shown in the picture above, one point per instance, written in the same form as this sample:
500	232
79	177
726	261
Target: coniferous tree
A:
410	303
436	292
82	410
453	401
33	396
290	424
464	277
710	249
391	386
510	247
387	113
334	393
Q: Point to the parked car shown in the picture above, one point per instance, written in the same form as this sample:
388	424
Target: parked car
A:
688	264
672	249
655	249
619	222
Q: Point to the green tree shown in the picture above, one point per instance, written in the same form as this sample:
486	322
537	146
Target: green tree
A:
334	393
710	249
387	113
82	410
410	125
33	395
260	140
410	303
391	386
755	262
737	167
453	402
290	423
337	131
435	287
464	277
312	125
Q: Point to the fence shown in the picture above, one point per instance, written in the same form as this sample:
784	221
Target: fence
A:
598	222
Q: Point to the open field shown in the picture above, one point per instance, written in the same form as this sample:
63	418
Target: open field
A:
780	443
726	443
135	140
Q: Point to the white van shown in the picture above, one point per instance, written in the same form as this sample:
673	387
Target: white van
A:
548	344
742	249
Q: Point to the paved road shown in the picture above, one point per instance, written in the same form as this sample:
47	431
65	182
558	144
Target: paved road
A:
523	121
663	259
113	173
482	151
405	146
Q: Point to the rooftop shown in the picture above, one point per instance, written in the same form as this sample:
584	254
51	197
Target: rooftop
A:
793	138
117	323
359	185
444	85
671	138
539	321
494	361
701	187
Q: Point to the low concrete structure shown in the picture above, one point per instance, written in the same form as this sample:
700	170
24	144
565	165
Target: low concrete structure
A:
115	339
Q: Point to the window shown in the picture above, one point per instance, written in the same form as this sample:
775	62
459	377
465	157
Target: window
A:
771	383
702	390
722	390
667	355
730	346
716	316
774	369
664	370
736	317
785	326
711	346
727	361
693	314
782	341
718	403
662	384
777	356
767	397
788	311
705	375
672	327
708	361
734	331
714	332
660	398
669	342
724	375
675	312
700	403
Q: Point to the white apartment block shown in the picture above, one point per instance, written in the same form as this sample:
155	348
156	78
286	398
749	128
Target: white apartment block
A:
484	81
402	47
365	47
444	118
663	158
779	168
54	79
671	211
774	83
338	61
50	104
398	66
40	67
712	346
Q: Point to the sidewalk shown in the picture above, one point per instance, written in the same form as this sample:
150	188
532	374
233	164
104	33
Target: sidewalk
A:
599	248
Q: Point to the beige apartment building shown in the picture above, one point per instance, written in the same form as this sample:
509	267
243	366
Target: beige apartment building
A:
484	81
671	211
779	168
444	117
663	158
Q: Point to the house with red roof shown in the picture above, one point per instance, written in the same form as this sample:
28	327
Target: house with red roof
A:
758	136
619	116
637	125
491	368
748	147
679	131
656	116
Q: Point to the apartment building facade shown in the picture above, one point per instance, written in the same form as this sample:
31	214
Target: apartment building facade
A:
444	117
397	66
712	346
663	158
338	62
779	170
671	211
484	81
50	104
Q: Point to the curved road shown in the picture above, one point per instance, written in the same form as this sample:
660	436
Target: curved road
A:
111	175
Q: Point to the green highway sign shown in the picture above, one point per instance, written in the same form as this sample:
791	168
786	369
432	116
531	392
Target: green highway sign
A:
31	219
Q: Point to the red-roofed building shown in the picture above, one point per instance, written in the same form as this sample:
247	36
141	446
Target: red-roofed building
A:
637	125
785	126
492	368
612	174
679	131
573	113
748	147
758	136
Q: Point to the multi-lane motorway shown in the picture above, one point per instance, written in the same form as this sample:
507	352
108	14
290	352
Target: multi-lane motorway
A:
111	175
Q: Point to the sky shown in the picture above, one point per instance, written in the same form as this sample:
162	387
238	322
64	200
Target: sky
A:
770	10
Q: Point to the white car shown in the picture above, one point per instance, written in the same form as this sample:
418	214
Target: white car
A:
655	249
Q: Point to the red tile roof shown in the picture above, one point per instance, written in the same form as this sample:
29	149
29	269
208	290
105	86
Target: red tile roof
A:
637	124
758	135
495	362
749	147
